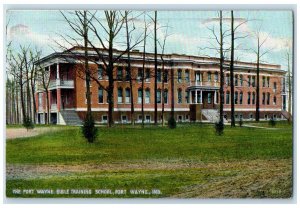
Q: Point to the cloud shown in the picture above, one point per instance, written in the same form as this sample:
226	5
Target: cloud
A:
23	34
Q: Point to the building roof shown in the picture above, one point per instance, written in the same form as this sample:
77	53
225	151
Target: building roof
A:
173	58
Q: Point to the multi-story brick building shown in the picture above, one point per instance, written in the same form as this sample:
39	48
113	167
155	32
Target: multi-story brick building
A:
191	82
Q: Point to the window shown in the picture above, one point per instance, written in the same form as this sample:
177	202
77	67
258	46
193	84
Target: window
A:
100	72
253	81
263	81
227	79
159	75
124	119
147	99
216	76
120	95
236	80
227	97
127	95
187	76
140	118
275	86
180	119
119	73
199	97
268	81
209	98
241	97
217	97
166	76
249	81
127	74
251	116
209	76
236	97
148	119
249	98
266	117
187	96
166	96
179	95
253	98
197	75
147	75
264	98
158	96
104	119
179	74
40	100
100	95
140	75
140	95
241	80
268	98
274	100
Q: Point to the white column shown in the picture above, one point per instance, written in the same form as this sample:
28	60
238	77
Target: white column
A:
215	97
201	100
190	97
57	71
196	96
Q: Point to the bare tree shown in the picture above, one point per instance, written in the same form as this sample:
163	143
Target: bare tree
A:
259	51
114	23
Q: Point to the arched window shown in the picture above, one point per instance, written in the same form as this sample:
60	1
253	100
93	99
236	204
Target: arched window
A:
263	81
241	97
127	95
227	97
249	98
147	97
187	76
158	96
187	96
253	98
264	98
236	80
120	95
179	95
159	75
179	74
274	100
100	95
120	73
236	94
209	76
216	77
249	81
166	76
166	96
241	80
268	98
140	95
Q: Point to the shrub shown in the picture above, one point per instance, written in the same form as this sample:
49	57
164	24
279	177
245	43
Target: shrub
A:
27	123
219	126
272	122
241	122
172	123
88	129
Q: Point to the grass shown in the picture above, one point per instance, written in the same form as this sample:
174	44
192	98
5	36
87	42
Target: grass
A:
189	161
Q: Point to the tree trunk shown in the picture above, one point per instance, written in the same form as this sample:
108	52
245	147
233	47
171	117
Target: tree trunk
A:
129	69
48	107
221	70
143	76
257	81
290	87
231	73
155	69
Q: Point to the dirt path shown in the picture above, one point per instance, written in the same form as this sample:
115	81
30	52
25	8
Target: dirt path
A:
22	132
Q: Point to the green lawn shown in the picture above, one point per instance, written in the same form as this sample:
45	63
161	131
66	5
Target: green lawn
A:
189	161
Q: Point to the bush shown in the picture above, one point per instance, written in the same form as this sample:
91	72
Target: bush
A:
241	122
219	126
88	129
27	123
172	123
272	122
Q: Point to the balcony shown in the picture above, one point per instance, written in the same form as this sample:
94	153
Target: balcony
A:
211	84
58	83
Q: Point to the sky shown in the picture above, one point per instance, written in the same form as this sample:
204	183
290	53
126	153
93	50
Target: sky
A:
188	32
